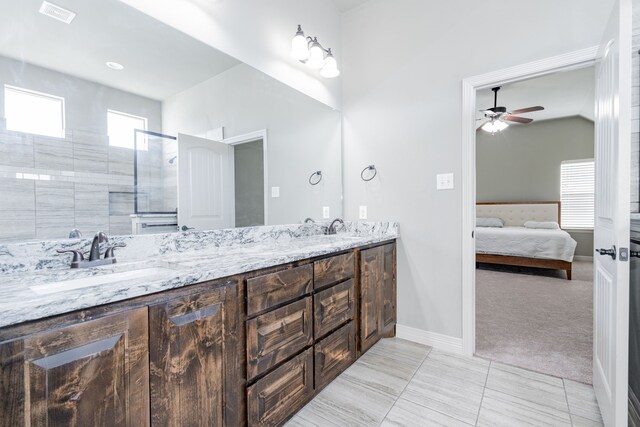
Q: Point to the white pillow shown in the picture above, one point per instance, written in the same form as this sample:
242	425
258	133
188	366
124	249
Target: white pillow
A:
489	222
549	225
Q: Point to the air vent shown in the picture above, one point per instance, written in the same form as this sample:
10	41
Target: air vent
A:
56	12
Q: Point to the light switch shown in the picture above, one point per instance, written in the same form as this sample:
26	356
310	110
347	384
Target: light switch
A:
275	191
362	212
326	214
444	181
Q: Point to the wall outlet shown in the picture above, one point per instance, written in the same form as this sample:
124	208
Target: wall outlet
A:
362	212
275	191
326	214
444	181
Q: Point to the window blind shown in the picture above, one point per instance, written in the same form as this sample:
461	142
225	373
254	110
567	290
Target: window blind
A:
577	188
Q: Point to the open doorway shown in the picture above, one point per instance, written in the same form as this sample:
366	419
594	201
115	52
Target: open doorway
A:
534	226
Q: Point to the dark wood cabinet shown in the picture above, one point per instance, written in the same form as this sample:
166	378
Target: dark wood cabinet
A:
251	349
377	294
282	392
194	355
275	336
334	354
90	373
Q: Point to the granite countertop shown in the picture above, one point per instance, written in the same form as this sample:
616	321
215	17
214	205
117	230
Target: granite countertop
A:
19	303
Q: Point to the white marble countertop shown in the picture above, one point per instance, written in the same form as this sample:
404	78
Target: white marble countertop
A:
19	303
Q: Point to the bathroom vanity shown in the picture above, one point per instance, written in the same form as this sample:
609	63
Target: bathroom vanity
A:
249	348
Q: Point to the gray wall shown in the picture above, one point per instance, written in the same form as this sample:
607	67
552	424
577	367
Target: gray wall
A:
522	163
249	183
50	185
635	111
404	114
303	136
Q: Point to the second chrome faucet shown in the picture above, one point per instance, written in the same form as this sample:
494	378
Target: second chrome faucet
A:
94	260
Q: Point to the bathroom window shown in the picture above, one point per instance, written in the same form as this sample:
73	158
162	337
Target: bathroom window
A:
33	112
577	192
121	126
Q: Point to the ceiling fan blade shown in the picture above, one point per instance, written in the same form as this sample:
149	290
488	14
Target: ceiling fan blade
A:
527	110
516	119
480	127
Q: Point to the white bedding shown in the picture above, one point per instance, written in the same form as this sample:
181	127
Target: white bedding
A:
525	242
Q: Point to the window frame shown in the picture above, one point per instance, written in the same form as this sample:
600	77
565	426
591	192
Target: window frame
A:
22	90
133	116
572	228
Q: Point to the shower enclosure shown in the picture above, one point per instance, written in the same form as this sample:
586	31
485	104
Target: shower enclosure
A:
155	183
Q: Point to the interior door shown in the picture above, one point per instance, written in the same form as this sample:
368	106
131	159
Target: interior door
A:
205	184
611	269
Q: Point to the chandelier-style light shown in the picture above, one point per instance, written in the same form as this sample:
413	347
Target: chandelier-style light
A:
495	125
309	51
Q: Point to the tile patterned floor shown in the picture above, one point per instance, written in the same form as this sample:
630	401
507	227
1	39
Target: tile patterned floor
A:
400	383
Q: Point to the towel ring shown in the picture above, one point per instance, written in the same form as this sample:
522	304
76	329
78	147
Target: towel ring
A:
371	168
317	181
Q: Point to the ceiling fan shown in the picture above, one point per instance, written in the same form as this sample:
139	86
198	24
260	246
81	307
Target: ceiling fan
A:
497	117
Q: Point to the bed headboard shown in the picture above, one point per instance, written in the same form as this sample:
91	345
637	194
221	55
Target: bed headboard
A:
517	213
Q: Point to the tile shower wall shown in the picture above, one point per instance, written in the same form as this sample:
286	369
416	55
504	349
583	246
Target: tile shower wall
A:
635	111
49	186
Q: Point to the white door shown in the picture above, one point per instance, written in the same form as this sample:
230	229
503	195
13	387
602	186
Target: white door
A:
205	183
611	276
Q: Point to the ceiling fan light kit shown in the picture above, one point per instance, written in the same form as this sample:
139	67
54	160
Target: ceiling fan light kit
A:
498	117
309	51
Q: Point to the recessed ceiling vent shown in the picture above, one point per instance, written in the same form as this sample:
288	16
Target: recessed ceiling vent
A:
56	12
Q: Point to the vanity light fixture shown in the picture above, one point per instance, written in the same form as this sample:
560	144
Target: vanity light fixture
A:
308	50
115	66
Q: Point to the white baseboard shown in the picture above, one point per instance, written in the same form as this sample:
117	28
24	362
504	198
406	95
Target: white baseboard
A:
583	258
432	339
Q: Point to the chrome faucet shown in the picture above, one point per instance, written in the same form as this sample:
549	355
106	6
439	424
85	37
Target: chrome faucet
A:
332	228
309	221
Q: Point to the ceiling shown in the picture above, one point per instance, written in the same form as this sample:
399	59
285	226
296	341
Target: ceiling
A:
159	61
346	5
562	94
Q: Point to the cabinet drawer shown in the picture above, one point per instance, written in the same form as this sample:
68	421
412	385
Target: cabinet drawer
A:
333	270
333	307
282	392
274	336
270	290
334	354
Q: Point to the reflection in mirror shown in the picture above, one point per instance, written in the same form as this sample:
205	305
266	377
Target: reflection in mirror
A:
119	123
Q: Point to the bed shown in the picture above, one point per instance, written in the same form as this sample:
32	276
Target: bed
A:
516	245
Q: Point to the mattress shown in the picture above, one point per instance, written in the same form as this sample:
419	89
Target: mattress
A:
526	242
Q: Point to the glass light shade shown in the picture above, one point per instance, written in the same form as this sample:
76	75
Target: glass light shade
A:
495	126
316	56
330	68
299	47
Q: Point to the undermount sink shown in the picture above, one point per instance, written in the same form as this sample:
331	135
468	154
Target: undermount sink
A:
104	279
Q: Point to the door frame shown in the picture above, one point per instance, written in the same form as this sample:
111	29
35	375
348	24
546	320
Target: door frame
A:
250	137
565	62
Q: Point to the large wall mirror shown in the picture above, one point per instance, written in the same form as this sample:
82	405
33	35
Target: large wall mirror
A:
117	122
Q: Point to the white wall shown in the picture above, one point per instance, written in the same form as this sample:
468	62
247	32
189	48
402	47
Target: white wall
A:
404	61
259	33
303	134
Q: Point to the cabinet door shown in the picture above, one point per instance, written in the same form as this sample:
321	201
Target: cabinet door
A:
94	373
333	307
193	358
388	291
370	278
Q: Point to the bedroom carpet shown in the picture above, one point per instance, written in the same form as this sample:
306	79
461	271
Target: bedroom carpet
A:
536	319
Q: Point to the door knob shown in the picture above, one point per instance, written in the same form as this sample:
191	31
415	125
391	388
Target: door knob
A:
185	228
611	252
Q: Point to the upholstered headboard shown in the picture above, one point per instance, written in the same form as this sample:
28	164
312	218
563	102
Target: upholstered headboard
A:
517	213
